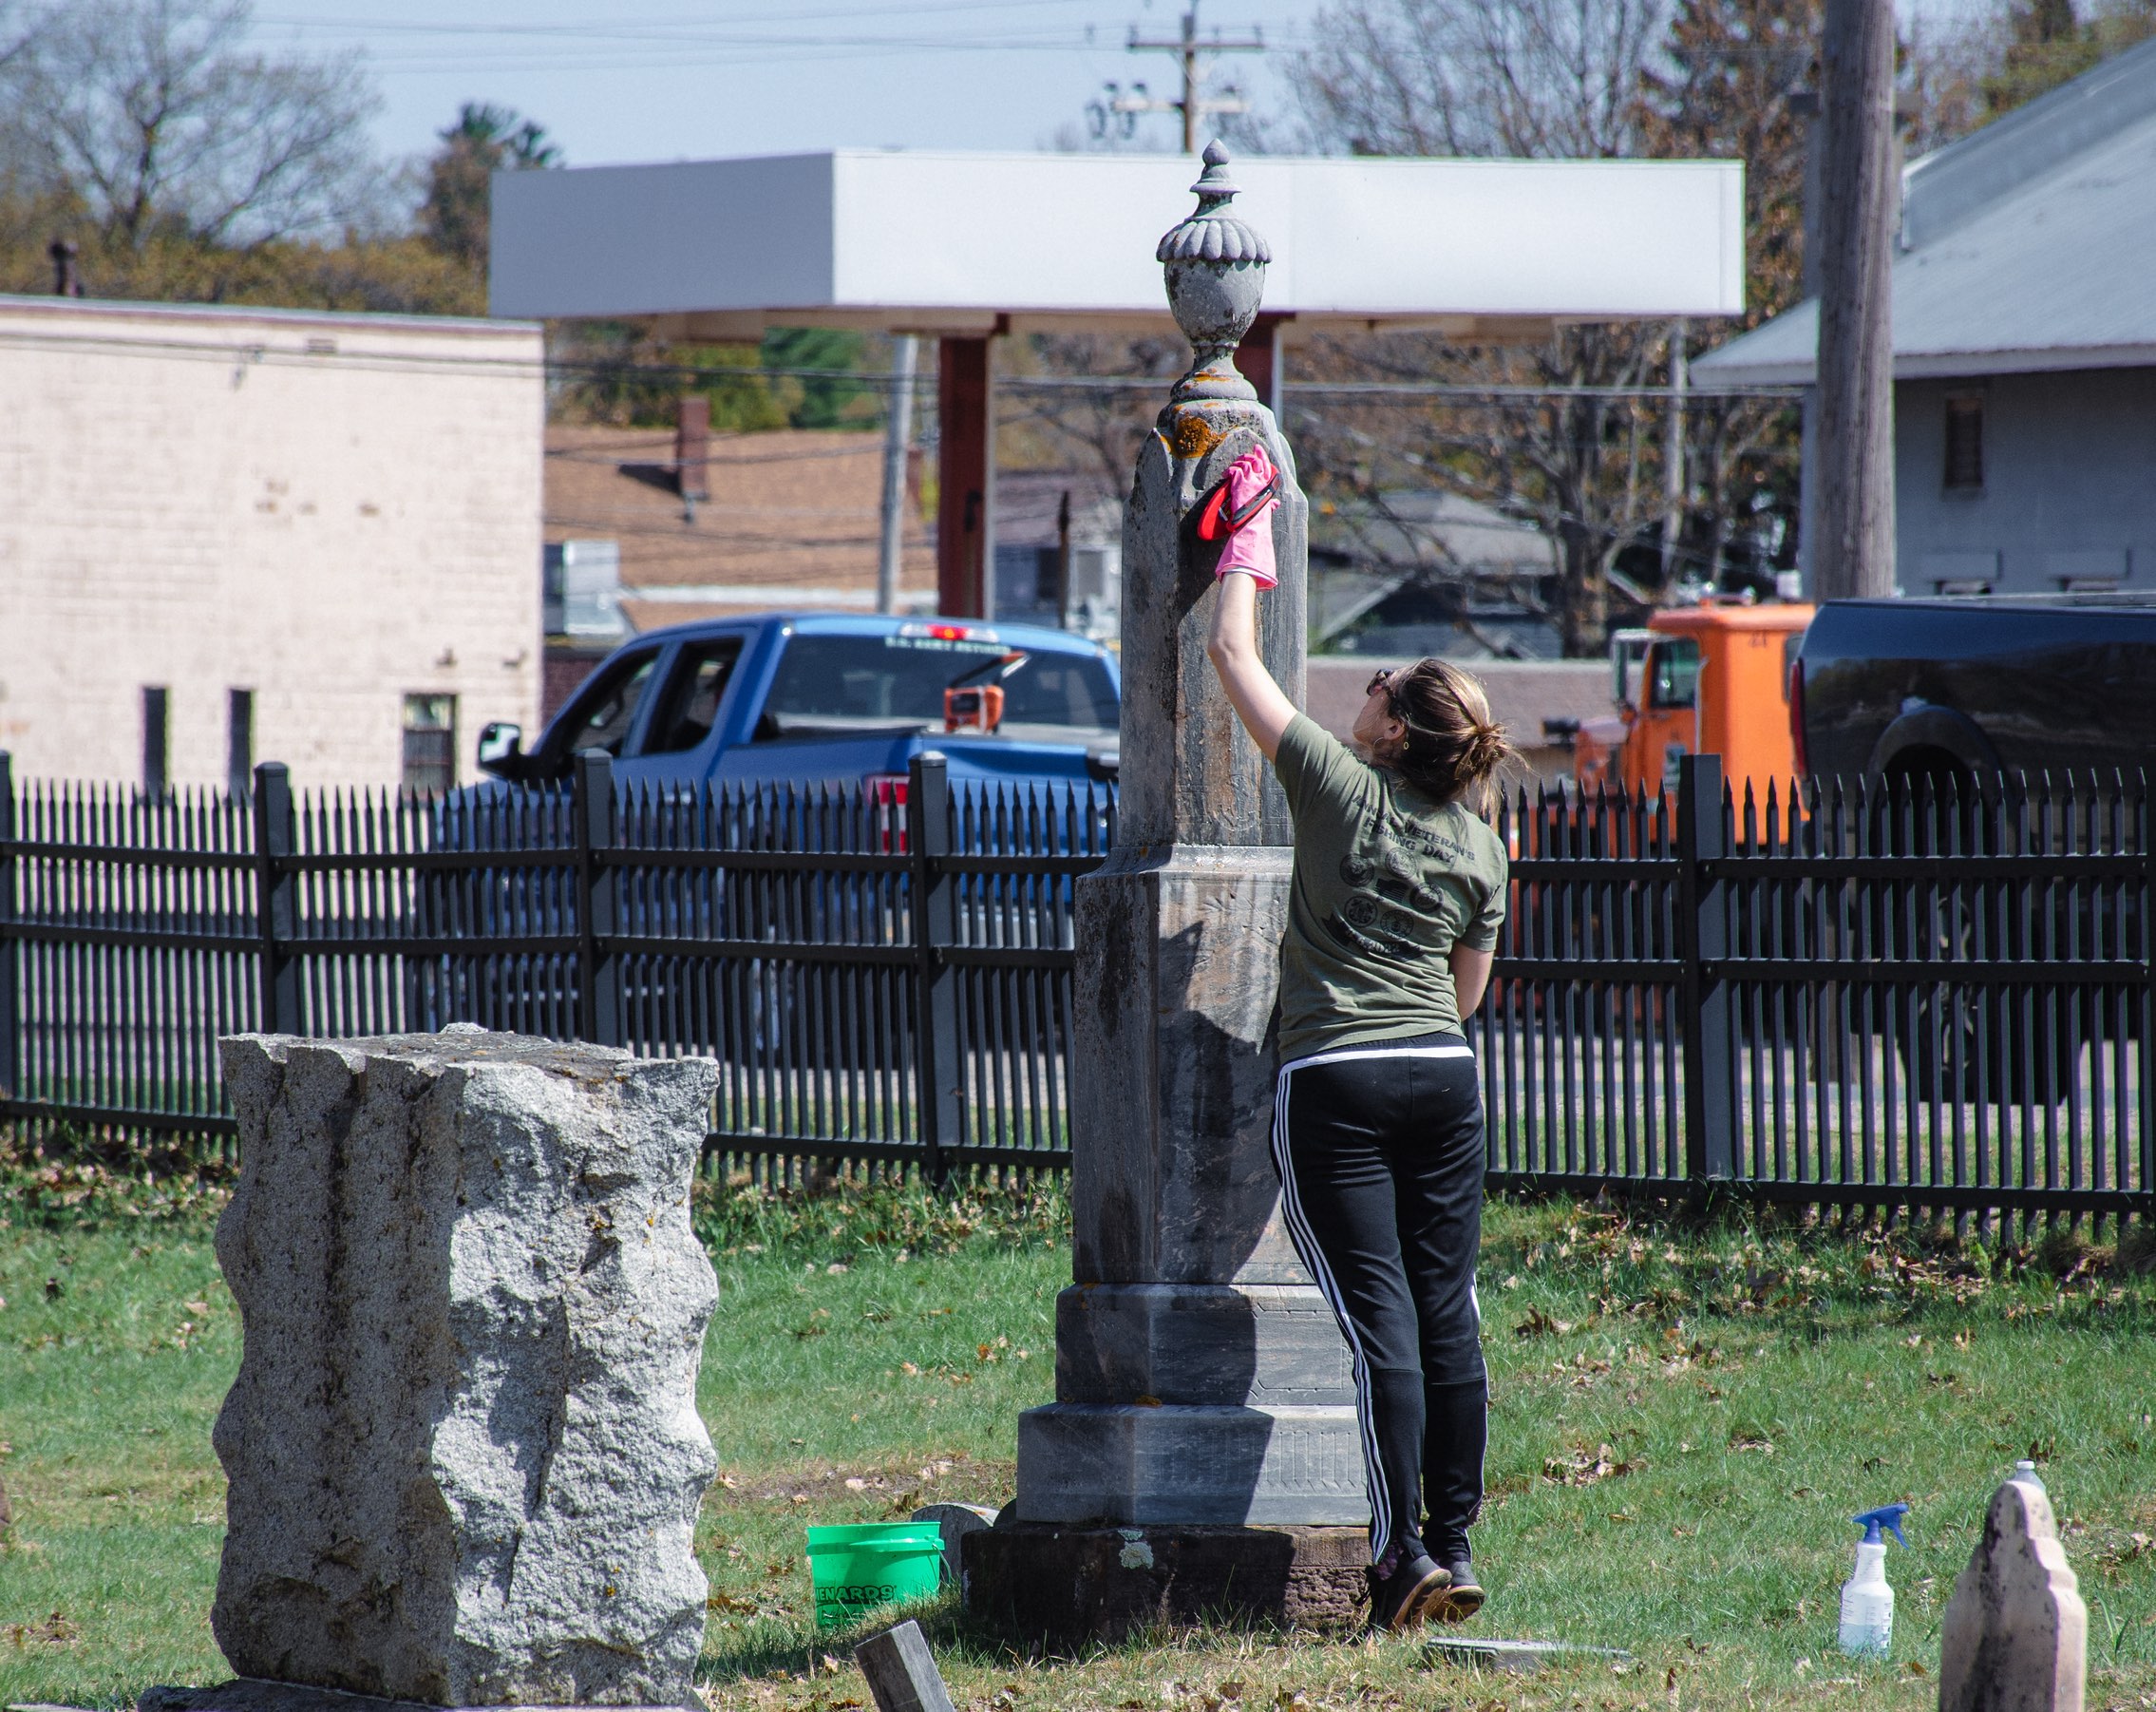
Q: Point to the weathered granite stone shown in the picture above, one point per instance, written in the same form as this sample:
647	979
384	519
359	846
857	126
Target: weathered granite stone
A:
1272	1346
464	1453
1215	1464
1191	774
1070	1586
2015	1635
1171	1099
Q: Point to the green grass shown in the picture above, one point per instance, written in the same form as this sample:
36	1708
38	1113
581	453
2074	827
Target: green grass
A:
1685	1418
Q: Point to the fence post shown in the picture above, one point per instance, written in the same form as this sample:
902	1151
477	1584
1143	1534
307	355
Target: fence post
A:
10	955
277	899
1710	1062
938	1064
599	983
2144	828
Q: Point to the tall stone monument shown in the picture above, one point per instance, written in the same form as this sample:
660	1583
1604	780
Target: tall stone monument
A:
1201	1453
463	1448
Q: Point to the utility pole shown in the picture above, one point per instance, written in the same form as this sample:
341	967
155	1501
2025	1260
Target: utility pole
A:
1672	452
898	438
1196	106
1853	439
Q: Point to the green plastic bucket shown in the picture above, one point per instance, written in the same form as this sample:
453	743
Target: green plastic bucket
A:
870	1564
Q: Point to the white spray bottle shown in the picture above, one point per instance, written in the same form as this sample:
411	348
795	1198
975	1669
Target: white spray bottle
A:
1867	1602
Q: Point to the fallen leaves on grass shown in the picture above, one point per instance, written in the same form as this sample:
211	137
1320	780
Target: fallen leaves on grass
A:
56	1630
1539	1324
1696	1354
1752	1442
1582	1466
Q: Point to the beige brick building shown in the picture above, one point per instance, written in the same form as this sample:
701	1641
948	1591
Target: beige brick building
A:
237	535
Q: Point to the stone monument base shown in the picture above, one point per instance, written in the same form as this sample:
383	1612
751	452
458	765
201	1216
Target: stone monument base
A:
1210	1466
1069	1586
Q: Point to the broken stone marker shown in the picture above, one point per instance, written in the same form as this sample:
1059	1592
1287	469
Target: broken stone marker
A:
901	1671
463	1453
2016	1636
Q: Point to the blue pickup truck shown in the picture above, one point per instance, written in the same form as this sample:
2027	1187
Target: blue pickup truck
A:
824	698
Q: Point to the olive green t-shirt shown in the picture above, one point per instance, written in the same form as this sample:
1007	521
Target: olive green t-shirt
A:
1387	882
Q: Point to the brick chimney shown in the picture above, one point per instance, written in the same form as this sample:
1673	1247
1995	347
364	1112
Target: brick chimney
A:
692	447
66	281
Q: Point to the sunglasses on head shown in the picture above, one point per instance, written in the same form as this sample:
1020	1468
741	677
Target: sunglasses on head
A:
1380	679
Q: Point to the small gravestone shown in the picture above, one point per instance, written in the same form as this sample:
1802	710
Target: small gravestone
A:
1521	1658
956	1521
2015	1637
901	1672
463	1457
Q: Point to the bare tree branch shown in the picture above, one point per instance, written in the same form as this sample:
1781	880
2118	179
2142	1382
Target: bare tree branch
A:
158	113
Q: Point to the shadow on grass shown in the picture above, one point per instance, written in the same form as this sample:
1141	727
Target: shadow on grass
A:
769	1648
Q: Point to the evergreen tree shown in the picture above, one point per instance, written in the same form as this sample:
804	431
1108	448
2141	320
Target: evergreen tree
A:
485	140
1730	68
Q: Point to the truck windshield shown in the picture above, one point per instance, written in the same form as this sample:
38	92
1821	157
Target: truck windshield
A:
901	680
1674	677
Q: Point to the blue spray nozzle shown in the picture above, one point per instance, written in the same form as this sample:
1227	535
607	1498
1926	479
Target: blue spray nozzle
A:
1888	1517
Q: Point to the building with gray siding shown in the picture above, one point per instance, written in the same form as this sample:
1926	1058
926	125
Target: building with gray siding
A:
2024	347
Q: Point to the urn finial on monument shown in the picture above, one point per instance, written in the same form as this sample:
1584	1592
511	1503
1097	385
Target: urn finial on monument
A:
1216	263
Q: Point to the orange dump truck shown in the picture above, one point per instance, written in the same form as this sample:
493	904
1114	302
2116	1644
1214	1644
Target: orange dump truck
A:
1708	679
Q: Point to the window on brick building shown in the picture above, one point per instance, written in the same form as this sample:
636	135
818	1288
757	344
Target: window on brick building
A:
156	741
430	743
1965	442
240	741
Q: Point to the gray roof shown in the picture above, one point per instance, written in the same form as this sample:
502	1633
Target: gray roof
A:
2029	245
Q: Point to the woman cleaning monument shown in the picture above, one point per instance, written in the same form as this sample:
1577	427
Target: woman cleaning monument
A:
1399	891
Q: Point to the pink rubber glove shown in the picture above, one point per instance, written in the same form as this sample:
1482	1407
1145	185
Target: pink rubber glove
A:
1250	548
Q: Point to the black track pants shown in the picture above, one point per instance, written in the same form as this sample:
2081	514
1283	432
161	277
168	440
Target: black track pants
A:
1380	1153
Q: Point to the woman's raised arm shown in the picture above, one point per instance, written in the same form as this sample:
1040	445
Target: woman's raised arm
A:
1231	646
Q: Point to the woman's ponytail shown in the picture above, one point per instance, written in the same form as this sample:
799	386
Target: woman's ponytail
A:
1452	747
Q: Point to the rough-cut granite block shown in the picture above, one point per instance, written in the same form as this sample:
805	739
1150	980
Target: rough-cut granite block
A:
245	1694
1171	1088
463	1453
1110	1463
1272	1345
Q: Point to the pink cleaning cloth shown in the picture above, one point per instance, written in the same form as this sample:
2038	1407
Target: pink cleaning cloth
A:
1250	548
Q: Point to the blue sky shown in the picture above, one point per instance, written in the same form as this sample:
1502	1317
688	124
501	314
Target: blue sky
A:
658	79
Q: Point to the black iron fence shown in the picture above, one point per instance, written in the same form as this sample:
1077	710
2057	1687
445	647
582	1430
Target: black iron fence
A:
1893	994
882	974
1875	996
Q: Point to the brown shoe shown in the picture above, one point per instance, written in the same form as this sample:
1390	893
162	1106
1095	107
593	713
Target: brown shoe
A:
1398	1601
1458	1597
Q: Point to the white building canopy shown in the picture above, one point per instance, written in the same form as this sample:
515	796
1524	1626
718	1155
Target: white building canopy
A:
969	246
975	243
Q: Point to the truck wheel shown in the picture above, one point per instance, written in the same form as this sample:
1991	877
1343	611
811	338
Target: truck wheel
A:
1949	1055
